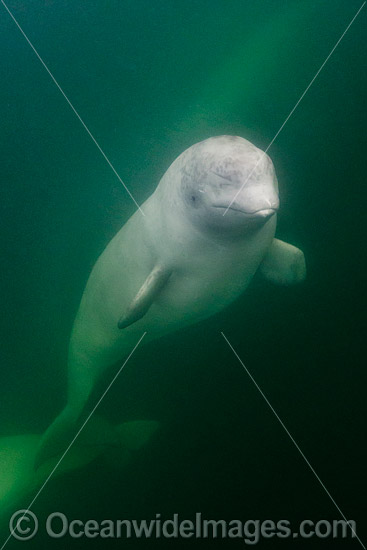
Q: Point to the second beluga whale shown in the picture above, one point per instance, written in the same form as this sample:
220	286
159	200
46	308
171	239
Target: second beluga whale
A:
207	229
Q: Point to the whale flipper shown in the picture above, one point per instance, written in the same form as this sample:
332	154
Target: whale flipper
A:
283	264
146	295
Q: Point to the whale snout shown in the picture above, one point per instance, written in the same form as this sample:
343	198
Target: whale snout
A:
257	204
262	209
264	213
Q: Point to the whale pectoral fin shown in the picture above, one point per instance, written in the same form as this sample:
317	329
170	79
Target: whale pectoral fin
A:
284	264
146	295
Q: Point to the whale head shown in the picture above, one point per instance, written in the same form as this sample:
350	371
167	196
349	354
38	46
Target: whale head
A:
228	184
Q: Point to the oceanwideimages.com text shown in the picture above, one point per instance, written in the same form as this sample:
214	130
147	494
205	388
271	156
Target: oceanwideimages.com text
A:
24	525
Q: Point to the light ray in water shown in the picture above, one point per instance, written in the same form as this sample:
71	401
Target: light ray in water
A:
293	440
296	105
74	110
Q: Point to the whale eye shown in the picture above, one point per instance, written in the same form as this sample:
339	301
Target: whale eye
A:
194	200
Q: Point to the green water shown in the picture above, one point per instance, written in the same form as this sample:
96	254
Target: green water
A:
150	78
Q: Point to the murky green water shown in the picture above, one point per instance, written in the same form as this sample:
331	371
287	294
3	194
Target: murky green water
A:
150	78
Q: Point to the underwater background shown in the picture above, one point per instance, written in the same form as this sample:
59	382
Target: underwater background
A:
150	78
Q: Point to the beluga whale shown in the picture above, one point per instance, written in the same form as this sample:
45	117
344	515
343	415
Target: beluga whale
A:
208	227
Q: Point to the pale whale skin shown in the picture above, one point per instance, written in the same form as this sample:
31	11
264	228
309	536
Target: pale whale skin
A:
206	257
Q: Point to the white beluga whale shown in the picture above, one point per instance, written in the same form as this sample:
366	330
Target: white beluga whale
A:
207	228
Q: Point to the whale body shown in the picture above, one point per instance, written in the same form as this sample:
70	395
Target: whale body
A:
207	229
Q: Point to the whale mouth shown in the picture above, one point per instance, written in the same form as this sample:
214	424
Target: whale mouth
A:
260	213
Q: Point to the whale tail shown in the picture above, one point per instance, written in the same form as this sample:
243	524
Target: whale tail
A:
71	440
114	444
58	437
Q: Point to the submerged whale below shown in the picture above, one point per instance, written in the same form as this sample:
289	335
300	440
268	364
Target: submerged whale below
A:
206	230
